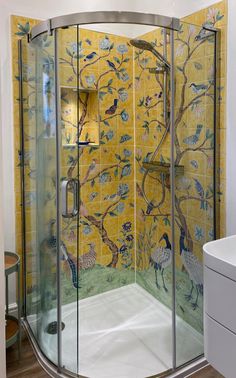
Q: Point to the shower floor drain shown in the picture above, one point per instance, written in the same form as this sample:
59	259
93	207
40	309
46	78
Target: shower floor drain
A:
52	328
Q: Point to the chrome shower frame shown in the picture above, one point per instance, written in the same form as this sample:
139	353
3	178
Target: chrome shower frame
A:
79	19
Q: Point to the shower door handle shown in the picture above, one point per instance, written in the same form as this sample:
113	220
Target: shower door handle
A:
68	186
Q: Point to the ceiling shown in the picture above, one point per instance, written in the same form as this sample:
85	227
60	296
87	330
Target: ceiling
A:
44	9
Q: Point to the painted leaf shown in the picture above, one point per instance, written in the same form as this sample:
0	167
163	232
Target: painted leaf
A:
105	176
112	214
125	138
166	221
23	29
219	16
180	68
198	66
69	52
102	94
97	214
126	170
117	60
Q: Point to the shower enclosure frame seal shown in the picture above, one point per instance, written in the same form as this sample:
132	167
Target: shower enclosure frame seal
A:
217	33
172	189
22	166
78	20
105	17
58	201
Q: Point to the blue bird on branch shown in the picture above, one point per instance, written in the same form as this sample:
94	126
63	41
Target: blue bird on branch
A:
201	35
90	56
198	88
112	108
201	193
204	34
111	65
193	139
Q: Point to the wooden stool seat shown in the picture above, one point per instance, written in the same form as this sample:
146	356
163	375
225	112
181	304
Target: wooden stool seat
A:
13	323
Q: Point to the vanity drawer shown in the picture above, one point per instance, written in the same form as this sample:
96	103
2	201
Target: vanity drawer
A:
220	298
220	347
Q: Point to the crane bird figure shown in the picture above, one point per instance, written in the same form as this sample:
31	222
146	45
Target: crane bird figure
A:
194	269
160	259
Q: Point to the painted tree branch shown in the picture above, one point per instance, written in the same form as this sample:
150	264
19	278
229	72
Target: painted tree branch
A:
83	115
100	173
200	148
106	212
98	224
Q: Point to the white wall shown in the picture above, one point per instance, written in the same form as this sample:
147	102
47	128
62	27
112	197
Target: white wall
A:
2	278
231	123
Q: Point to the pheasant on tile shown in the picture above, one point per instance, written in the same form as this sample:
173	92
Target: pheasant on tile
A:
75	265
88	260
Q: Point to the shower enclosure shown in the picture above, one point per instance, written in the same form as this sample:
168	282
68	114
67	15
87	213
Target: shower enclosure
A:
118	132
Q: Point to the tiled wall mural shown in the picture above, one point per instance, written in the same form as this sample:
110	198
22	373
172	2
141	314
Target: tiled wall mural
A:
194	148
106	171
114	216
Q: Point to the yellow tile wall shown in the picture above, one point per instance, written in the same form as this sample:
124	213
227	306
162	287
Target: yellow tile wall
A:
198	223
118	136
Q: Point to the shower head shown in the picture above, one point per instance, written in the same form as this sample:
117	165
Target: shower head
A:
141	44
144	45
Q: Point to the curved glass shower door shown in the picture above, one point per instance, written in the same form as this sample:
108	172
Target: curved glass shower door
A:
50	196
40	181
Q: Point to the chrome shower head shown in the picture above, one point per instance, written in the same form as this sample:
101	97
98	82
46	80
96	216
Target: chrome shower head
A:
144	45
141	44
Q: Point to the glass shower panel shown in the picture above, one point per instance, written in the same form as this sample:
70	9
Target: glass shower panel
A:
153	211
44	177
27	162
194	178
106	224
106	144
153	194
123	116
68	151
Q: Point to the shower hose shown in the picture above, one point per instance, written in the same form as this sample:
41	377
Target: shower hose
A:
150	204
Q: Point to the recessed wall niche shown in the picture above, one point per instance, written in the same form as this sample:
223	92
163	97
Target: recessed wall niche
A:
79	116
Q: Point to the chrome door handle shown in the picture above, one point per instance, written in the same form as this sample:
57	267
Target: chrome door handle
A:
67	185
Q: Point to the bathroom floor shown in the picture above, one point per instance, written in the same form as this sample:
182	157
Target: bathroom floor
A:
29	366
122	333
